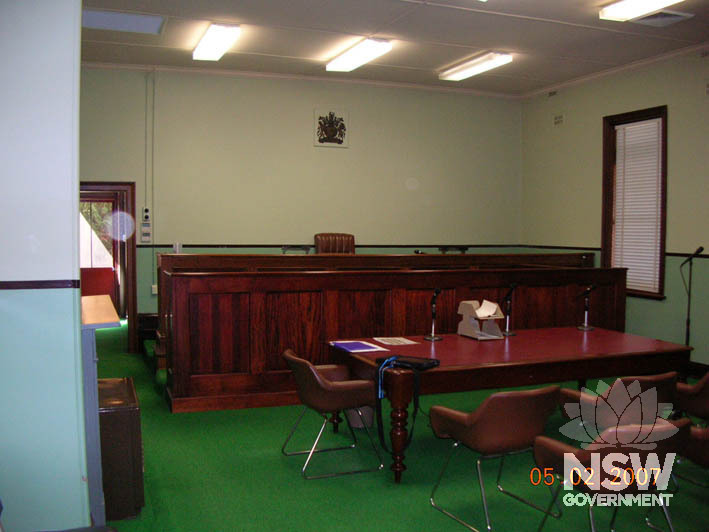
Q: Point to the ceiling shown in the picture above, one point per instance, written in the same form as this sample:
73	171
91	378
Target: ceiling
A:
553	42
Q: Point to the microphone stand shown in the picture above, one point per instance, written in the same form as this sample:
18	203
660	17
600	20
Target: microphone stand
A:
586	306
508	310
688	288
432	337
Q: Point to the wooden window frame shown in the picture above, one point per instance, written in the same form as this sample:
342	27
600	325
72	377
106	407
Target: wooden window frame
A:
609	159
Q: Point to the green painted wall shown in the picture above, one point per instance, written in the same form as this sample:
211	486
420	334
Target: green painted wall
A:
42	446
566	159
230	160
561	203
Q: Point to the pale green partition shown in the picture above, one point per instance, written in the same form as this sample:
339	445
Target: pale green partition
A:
42	443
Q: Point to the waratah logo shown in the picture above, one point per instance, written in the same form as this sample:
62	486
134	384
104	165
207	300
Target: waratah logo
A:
614	407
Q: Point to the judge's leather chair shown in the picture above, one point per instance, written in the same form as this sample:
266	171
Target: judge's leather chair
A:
341	243
328	390
669	437
661	387
505	423
694	399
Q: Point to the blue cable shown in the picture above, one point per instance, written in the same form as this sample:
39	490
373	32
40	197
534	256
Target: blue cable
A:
389	362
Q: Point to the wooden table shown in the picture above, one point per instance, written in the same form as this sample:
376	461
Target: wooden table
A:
533	356
97	312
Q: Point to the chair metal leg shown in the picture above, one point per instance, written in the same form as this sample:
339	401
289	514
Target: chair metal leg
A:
590	518
612	524
456	445
310	452
555	515
690	480
554	497
666	511
483	495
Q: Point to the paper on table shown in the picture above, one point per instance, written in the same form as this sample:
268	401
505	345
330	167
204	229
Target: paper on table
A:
395	340
487	309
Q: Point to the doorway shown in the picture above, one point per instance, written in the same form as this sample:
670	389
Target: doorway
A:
108	255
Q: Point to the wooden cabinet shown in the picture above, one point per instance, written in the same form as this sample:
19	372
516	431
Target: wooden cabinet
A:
121	448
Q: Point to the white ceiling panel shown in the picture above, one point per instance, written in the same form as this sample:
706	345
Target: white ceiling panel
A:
553	41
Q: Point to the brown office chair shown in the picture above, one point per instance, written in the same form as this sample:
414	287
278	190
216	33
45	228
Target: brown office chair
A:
505	423
697	451
670	437
340	243
575	402
694	399
328	390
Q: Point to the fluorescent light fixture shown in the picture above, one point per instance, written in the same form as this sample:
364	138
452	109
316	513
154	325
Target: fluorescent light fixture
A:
475	66
630	9
215	42
117	21
361	53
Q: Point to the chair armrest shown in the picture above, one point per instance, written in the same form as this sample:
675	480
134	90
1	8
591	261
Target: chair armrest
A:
334	372
549	453
449	423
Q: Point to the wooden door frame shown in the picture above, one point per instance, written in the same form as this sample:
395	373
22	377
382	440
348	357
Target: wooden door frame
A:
125	193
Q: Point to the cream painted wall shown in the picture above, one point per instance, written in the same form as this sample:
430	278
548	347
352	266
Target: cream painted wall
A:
234	161
38	143
566	159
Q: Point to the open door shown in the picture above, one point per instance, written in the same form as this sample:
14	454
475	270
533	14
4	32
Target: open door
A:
108	256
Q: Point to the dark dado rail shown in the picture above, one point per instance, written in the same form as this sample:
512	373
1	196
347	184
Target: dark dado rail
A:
225	330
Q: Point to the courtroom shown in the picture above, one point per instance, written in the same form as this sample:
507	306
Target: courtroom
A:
354	265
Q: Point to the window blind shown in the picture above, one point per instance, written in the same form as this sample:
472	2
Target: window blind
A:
637	209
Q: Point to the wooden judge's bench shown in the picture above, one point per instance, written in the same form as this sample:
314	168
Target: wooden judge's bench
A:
224	320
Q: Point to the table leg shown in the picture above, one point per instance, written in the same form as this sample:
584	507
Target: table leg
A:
399	384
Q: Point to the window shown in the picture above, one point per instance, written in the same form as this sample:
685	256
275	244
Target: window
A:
634	198
95	229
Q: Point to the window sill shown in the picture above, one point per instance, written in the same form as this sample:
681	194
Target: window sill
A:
645	295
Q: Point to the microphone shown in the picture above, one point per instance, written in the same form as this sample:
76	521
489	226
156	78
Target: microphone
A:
698	252
435	296
433	337
589	289
508	310
508	297
586	307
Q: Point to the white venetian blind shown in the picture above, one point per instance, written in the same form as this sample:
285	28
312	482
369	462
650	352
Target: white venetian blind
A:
637	211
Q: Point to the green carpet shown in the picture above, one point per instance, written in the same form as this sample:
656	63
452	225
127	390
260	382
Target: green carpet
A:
224	471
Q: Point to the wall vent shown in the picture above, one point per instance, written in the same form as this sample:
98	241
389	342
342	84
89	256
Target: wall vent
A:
662	18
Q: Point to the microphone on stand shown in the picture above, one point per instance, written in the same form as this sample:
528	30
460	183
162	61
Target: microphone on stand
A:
586	306
432	337
698	252
507	301
688	288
